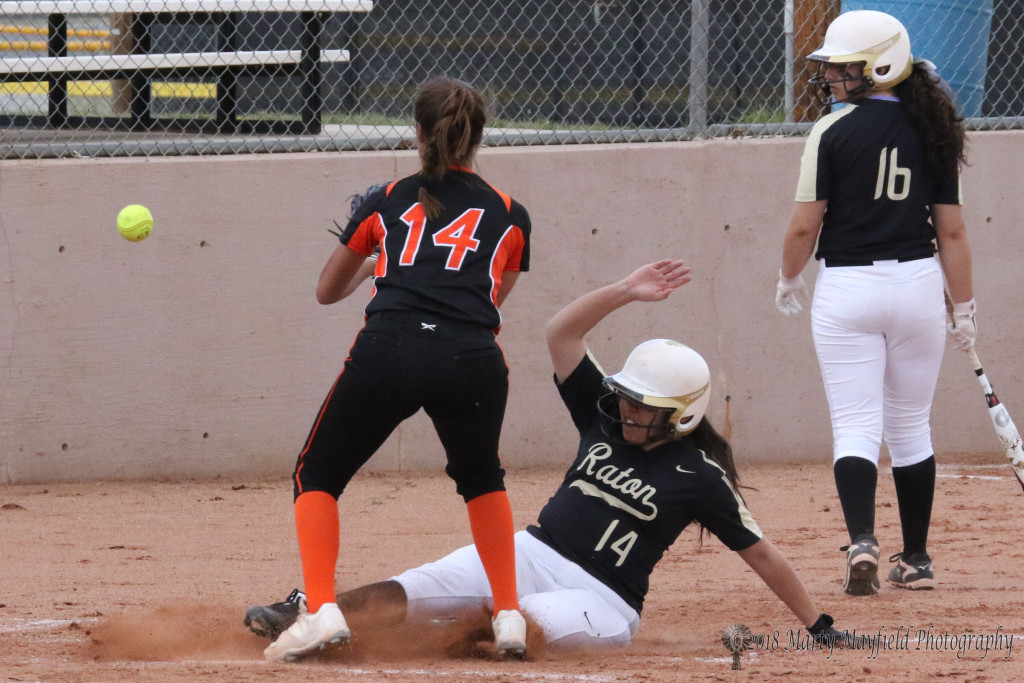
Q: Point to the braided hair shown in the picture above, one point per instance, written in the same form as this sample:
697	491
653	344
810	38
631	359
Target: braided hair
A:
451	115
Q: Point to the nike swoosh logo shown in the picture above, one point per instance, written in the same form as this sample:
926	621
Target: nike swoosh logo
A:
680	469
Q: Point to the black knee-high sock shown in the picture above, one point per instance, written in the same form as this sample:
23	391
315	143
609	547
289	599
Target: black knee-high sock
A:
915	491
856	479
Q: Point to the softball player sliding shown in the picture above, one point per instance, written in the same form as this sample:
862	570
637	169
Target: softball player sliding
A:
648	464
451	248
878	190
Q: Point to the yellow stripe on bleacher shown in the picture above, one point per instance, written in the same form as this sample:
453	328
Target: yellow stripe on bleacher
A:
185	90
104	89
40	45
76	32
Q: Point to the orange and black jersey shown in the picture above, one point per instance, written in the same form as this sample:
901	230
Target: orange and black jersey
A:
620	507
452	266
866	159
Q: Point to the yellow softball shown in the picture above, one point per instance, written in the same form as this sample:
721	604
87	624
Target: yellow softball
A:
134	222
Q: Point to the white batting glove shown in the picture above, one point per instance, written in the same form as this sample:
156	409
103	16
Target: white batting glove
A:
962	327
785	294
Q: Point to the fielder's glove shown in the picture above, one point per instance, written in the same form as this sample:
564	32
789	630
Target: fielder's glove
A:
336	233
355	202
962	326
785	294
824	634
372	258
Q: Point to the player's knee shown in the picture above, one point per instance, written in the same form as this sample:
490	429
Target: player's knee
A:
577	618
313	481
867	447
472	485
589	641
909	458
855	453
909	446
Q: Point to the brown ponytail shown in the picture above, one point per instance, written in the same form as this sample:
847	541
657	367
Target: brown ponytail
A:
451	115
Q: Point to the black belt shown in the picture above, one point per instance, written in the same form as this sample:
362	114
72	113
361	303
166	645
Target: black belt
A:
848	263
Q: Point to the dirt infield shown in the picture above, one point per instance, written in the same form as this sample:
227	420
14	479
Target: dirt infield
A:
148	582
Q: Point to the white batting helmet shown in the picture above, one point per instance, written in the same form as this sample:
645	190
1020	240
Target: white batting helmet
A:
667	375
876	39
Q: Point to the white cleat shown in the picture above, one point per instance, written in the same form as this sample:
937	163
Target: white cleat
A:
510	634
309	633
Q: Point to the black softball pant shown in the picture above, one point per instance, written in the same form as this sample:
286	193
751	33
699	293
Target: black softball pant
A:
401	362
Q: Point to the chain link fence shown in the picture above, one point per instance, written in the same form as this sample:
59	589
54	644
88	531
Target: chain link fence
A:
171	77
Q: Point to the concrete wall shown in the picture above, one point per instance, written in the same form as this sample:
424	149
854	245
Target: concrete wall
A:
202	352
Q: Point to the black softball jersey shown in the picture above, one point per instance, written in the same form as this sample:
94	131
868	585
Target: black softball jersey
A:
866	159
637	501
459	258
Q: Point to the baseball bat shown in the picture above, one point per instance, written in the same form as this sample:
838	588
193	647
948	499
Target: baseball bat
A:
1001	421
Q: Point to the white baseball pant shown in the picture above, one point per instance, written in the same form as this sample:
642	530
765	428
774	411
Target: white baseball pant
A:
879	332
572	608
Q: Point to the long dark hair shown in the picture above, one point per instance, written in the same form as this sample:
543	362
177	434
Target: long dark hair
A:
932	112
451	115
717	449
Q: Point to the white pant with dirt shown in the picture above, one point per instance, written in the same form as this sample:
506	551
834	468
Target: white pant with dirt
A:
572	608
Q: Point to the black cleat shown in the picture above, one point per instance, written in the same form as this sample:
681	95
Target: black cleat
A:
862	566
913	572
270	621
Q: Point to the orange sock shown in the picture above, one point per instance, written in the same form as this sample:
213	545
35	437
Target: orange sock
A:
490	518
316	522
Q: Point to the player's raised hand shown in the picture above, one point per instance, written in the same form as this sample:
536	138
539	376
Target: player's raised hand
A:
655	281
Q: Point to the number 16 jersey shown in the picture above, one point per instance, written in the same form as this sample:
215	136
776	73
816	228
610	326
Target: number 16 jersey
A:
867	161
